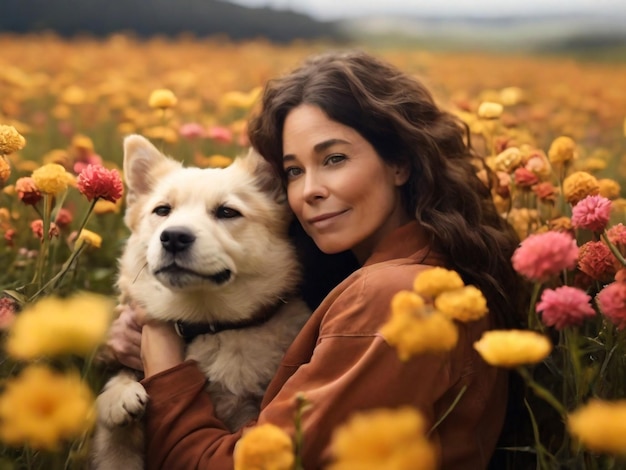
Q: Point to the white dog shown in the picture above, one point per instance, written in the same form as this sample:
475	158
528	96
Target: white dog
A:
208	251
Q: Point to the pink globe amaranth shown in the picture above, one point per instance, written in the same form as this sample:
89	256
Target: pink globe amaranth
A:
592	213
564	306
612	302
543	255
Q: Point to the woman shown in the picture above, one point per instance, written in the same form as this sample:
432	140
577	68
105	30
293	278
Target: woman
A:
372	166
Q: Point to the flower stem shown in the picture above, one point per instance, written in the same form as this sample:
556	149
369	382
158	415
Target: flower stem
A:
45	242
533	321
87	215
542	392
613	249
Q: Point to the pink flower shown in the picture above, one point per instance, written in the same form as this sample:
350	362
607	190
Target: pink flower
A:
37	227
564	306
191	131
543	255
592	213
220	134
27	190
617	234
612	303
95	182
8	308
83	161
64	218
596	260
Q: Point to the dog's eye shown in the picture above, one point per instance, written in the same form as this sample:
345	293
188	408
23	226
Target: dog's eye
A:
224	212
162	211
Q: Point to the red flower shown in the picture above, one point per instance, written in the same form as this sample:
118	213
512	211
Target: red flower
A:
612	303
27	191
564	306
525	178
64	218
96	182
596	260
543	255
8	307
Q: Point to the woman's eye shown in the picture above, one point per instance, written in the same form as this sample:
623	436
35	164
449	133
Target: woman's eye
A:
224	212
292	172
335	159
162	211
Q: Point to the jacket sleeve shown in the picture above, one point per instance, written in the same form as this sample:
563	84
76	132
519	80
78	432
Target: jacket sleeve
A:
351	368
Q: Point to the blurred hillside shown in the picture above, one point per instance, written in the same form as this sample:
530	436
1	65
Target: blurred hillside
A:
594	36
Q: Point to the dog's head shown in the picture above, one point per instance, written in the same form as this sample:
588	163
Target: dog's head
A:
203	230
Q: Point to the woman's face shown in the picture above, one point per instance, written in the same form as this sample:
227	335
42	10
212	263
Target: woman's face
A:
343	193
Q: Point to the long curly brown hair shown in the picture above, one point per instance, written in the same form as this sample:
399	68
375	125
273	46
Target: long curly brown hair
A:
397	114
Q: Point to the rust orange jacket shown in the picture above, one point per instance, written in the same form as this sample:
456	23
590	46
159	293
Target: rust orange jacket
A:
341	364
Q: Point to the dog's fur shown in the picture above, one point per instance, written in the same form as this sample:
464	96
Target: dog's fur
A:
231	258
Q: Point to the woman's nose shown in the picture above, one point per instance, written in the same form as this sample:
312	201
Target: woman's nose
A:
314	188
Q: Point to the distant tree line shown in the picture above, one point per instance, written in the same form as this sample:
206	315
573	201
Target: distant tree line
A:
164	17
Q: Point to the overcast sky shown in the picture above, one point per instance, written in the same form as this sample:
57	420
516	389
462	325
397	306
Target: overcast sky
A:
334	9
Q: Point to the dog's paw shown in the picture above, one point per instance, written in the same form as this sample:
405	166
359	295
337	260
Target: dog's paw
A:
122	404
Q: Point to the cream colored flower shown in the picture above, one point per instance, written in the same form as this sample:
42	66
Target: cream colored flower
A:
162	99
383	439
264	447
579	185
490	110
433	281
51	178
508	160
600	426
55	326
10	140
43	408
512	348
464	304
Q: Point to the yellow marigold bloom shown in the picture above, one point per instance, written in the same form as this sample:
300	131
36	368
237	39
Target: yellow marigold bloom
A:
411	334
53	326
51	178
5	170
592	164
10	140
106	207
383	439
490	110
239	99
264	447
562	150
609	188
408	302
434	281
579	185
512	348
82	142
44	408
89	237
508	160
218	161
162	99
464	304
600	426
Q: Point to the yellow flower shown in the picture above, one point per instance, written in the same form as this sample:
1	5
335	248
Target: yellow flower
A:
414	334
408	302
5	170
512	348
490	110
51	178
164	133
579	185
264	447
609	188
53	326
43	408
600	425
89	237
106	207
592	164
82	142
10	140
562	150
239	99
383	439
510	96
434	281
73	95
162	99
464	304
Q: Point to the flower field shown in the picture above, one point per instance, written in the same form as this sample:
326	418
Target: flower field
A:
552	131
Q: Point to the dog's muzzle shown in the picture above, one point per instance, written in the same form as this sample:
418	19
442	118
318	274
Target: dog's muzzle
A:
176	239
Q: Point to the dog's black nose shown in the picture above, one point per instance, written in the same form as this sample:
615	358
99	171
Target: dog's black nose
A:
175	239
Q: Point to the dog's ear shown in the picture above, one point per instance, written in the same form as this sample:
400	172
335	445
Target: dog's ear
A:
266	178
143	165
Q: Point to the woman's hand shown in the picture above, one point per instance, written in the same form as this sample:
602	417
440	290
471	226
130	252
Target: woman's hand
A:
124	341
161	347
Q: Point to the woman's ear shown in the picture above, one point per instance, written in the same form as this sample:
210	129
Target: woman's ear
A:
401	173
